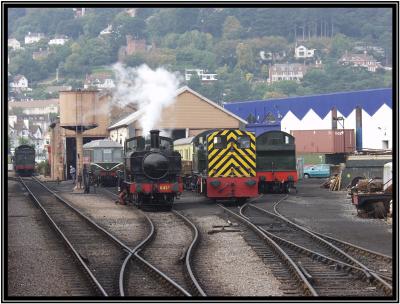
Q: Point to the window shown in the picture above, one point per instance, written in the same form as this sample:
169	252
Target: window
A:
243	142
286	139
117	155
218	142
107	155
97	157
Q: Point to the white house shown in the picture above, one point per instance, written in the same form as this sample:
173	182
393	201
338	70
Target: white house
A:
58	40
107	30
100	81
279	72
202	75
33	37
362	60
19	82
14	44
301	52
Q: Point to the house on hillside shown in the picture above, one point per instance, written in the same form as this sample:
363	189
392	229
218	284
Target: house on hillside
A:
14	44
36	107
79	12
293	71
19	83
33	37
59	40
201	74
301	52
362	60
41	54
99	81
107	30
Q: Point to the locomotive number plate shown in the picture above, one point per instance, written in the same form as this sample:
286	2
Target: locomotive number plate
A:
164	187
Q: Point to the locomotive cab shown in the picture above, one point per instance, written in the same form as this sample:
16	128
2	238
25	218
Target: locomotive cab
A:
152	170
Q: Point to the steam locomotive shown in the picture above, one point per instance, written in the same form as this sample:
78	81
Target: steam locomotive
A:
151	171
24	160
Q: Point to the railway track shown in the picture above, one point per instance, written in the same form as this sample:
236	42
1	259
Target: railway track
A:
172	255
315	273
377	263
102	256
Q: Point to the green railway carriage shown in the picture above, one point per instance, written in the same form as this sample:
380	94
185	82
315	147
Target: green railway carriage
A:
104	158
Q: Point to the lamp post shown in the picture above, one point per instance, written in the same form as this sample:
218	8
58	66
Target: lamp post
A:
341	118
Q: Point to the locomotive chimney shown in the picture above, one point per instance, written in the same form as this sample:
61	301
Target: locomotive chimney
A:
155	139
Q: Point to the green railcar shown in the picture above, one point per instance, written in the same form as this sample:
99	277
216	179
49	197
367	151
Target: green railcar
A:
104	158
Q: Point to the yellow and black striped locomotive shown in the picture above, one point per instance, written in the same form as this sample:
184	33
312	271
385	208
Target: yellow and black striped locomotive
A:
224	164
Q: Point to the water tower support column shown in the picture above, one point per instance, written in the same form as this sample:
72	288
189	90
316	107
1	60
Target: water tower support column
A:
79	159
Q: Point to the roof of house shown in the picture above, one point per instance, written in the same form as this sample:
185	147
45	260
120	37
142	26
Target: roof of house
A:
102	143
18	77
34	103
183	141
357	57
136	115
345	102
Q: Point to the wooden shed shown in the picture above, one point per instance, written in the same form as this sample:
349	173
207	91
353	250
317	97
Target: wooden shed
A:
189	115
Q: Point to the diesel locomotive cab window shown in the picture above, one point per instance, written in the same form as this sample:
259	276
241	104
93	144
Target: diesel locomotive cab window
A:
117	155
243	142
107	156
219	143
98	157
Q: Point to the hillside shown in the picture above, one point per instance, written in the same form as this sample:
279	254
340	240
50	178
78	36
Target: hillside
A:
240	45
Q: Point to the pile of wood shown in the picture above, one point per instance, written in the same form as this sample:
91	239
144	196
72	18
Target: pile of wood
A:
369	185
333	183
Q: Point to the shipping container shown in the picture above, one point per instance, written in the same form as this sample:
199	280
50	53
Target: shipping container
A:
324	141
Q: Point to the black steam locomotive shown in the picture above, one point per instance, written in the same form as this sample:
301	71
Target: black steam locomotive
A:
24	160
152	170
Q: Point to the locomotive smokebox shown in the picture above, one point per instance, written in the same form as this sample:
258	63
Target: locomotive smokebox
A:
155	139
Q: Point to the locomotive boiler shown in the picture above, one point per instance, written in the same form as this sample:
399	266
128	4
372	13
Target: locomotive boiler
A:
152	171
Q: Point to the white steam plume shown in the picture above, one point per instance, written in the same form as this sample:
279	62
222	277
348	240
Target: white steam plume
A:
151	90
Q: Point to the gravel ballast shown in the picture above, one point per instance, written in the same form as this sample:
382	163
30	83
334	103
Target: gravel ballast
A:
228	266
39	264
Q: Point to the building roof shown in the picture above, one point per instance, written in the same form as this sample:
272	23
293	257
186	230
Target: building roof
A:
102	143
127	120
18	77
345	102
136	115
34	103
357	57
183	141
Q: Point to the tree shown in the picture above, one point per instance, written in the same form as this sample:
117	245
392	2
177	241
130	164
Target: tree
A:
340	44
232	29
245	57
195	83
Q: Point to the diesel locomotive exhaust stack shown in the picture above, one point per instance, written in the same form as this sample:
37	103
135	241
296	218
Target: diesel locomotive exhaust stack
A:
154	139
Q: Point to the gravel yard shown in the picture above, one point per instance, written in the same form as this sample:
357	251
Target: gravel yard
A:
228	266
331	213
38	261
125	222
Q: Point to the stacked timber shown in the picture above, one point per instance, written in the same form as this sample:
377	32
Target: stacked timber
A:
333	183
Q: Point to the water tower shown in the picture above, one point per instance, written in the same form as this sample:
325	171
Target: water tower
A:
78	113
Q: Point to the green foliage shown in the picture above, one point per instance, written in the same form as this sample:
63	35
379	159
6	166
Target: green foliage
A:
226	41
232	29
25	141
44	168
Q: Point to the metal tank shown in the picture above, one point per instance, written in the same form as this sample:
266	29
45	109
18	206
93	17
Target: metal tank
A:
78	113
78	109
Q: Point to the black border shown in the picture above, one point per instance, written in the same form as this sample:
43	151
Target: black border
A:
252	4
